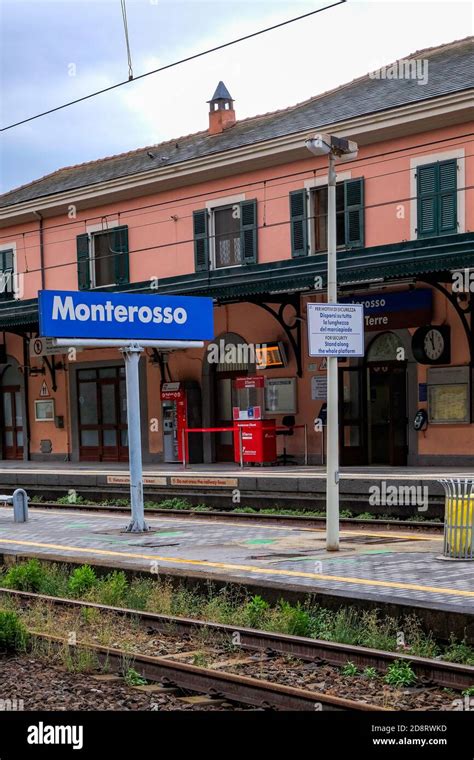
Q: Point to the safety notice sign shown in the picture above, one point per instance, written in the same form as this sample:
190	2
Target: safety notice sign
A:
335	329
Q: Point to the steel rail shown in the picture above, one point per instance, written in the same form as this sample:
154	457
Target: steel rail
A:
245	689
428	671
220	515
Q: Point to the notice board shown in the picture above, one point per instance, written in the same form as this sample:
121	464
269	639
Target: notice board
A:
280	395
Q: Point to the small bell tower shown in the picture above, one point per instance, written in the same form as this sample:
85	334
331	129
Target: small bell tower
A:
221	110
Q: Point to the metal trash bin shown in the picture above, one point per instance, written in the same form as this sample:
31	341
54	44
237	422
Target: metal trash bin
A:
459	518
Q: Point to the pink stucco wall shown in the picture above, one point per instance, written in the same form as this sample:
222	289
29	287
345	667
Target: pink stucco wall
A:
161	247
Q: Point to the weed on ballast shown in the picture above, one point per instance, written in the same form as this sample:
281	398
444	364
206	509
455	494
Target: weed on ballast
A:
27	576
132	678
459	651
349	669
400	673
370	673
13	634
82	580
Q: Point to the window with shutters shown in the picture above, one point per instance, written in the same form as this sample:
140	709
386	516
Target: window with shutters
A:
349	215
225	235
320	206
7	274
103	258
437	198
227	244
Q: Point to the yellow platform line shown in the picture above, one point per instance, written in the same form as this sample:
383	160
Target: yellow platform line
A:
202	521
246	568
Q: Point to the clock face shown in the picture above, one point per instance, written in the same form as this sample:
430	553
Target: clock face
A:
433	344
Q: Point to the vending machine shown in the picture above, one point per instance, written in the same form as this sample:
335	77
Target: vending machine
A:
258	435
181	409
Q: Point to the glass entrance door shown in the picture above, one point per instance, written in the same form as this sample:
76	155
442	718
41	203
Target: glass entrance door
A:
12	422
102	414
352	416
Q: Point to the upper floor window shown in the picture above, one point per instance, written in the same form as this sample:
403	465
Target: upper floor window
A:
309	217
102	258
437	198
227	243
7	274
225	236
320	217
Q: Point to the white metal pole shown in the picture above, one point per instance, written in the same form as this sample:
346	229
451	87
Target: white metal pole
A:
332	449
131	355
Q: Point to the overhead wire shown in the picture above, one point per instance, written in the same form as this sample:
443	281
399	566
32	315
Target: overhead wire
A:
170	65
127	41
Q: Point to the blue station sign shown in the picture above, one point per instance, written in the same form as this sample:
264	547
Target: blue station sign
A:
93	314
389	310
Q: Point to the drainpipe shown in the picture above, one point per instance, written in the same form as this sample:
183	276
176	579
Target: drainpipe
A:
37	214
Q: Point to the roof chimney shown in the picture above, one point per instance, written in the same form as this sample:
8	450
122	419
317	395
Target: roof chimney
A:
221	110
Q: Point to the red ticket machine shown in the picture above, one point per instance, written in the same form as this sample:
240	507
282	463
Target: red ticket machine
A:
181	408
258	434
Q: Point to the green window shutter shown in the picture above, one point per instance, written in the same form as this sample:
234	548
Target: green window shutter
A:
83	262
119	245
447	207
427	200
201	240
354	212
248	231
299	223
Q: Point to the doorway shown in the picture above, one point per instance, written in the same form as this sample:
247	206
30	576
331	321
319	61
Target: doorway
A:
12	419
226	358
387	421
224	401
102	414
373	406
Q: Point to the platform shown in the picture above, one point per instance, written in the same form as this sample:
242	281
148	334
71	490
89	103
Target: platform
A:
294	479
388	567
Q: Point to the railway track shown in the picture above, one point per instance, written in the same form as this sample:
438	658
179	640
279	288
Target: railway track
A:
428	671
242	689
248	517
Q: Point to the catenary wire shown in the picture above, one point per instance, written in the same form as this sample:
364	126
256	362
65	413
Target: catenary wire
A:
171	65
127	41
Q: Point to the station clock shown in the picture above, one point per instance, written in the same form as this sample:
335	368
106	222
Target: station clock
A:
432	344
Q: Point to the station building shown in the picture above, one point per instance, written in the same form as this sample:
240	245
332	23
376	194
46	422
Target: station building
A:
238	212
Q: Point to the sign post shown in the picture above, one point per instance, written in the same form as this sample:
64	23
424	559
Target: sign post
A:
334	330
131	354
129	323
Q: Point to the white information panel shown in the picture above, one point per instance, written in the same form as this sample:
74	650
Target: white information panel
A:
319	388
335	329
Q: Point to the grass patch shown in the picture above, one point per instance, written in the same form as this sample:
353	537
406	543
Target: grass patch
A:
231	606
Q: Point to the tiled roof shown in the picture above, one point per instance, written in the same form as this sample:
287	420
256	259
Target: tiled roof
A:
450	69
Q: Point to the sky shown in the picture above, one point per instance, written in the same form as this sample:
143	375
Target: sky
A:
54	51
